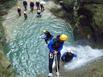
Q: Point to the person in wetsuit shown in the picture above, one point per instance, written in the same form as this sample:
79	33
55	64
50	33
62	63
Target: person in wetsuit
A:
25	4
55	46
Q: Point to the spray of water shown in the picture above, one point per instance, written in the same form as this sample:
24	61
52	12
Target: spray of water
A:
85	54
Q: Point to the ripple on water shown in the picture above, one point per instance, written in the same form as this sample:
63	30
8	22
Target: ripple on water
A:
29	53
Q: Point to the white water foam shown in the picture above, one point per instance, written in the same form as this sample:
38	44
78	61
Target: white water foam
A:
85	54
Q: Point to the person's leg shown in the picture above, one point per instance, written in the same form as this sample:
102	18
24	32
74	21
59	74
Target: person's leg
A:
46	41
19	13
51	57
58	61
25	7
31	9
25	16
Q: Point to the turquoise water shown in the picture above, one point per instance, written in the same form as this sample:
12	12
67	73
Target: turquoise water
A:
28	53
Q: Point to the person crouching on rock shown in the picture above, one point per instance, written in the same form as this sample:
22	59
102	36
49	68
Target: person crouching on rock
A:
31	5
67	57
42	7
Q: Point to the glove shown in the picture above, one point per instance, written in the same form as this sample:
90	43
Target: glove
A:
55	52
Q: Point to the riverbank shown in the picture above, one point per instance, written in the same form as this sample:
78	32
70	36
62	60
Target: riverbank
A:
5	66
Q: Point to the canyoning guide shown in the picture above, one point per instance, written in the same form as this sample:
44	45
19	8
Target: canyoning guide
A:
55	46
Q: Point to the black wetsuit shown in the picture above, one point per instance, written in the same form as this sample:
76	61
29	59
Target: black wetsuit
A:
38	5
32	6
19	11
25	16
25	5
48	36
42	7
38	14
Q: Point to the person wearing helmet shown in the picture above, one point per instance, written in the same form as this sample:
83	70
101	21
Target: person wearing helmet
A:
38	13
67	57
47	36
25	4
55	46
38	5
41	6
31	5
19	10
61	2
25	15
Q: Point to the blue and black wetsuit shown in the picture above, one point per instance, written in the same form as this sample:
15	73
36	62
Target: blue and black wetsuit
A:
67	57
54	45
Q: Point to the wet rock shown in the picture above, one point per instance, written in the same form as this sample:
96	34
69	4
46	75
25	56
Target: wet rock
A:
4	61
3	13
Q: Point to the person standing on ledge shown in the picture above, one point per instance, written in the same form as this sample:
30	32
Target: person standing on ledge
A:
25	15
25	4
19	11
31	5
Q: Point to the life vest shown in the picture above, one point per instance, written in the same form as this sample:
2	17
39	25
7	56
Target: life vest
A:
56	44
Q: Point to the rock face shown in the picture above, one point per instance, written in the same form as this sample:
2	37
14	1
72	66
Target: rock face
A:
5	66
90	17
87	20
91	1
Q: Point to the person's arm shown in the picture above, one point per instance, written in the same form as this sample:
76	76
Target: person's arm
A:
74	55
43	36
50	46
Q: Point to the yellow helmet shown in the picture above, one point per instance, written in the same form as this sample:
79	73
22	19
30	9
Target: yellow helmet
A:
63	37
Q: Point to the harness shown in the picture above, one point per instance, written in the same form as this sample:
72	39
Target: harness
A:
56	45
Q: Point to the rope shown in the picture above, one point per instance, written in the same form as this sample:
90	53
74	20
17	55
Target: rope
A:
56	60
